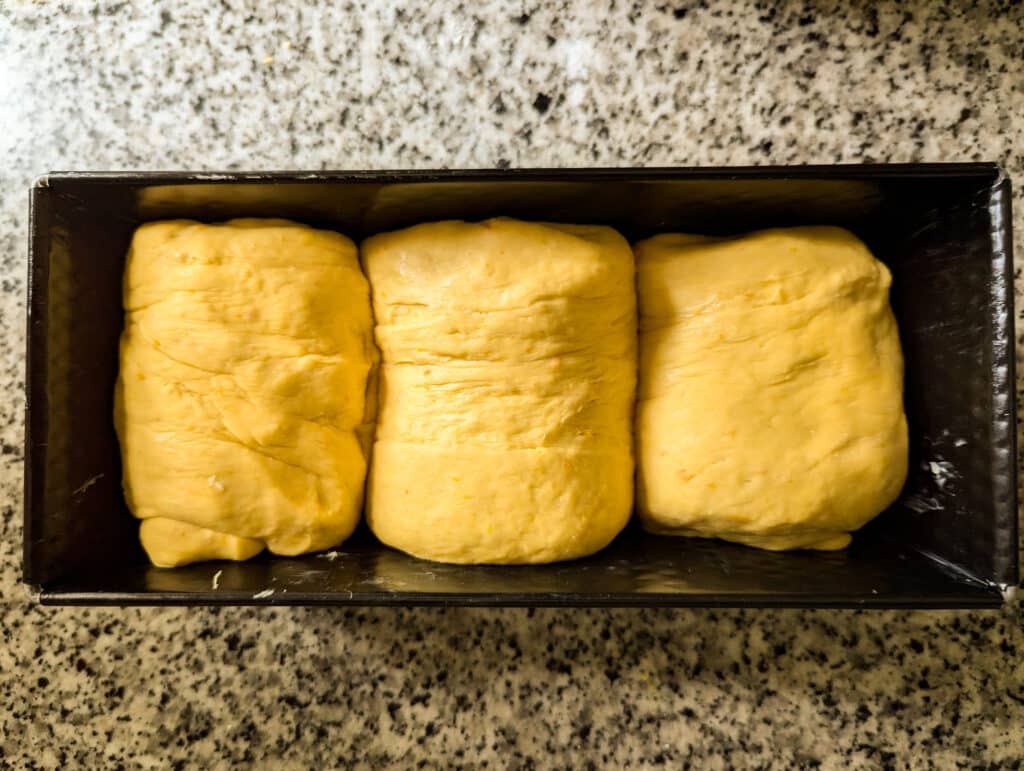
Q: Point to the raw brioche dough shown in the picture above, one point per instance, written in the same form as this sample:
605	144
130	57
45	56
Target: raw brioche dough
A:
507	379
242	392
770	398
170	542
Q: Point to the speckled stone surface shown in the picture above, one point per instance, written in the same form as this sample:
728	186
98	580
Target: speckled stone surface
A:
262	85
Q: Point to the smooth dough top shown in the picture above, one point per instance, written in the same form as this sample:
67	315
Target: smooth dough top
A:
507	380
771	387
242	392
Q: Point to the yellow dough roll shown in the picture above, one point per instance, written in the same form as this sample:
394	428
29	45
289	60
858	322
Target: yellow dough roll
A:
170	542
241	398
507	381
770	404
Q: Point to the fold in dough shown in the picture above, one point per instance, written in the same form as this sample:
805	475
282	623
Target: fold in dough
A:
241	400
770	404
507	383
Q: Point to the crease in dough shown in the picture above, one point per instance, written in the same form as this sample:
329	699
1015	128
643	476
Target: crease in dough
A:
241	403
770	397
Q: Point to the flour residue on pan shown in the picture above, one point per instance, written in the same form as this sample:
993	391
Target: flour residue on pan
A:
921	503
942	471
942	475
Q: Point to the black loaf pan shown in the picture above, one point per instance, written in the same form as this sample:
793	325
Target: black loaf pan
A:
944	230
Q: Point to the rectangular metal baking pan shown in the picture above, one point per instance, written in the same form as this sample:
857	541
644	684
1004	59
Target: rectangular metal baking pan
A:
944	230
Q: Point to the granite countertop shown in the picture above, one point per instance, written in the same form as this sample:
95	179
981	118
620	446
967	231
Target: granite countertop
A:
263	85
